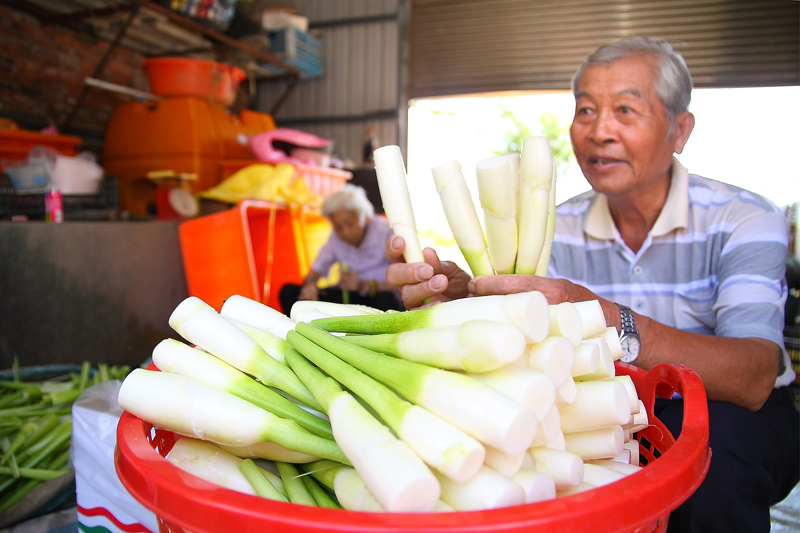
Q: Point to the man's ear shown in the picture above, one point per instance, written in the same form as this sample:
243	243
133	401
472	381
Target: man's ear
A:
684	124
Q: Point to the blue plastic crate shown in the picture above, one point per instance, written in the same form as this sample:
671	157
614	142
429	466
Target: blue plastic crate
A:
297	49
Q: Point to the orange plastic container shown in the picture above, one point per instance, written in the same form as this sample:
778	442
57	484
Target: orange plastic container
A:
251	250
180	76
638	503
184	134
15	144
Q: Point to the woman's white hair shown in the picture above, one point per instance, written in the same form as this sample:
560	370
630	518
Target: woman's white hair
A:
673	84
351	198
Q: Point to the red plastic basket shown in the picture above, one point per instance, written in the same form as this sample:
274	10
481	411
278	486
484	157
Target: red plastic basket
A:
638	503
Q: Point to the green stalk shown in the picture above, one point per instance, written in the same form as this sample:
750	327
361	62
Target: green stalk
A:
19	438
83	381
383	400
176	357
345	294
320	495
323	387
323	471
26	486
259	481
32	473
298	493
44	425
12	399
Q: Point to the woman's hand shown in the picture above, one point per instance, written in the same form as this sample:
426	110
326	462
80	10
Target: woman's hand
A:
349	281
309	291
433	280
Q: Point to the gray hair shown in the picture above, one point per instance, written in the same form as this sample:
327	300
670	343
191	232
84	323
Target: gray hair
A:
351	198
673	84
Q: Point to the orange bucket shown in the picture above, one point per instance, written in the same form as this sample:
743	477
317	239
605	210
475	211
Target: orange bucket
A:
179	76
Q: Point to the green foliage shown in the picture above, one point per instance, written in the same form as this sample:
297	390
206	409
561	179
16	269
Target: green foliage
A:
557	134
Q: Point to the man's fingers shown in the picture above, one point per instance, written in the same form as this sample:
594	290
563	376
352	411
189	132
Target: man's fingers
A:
415	295
502	284
395	247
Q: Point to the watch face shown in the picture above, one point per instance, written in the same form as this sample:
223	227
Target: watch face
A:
630	349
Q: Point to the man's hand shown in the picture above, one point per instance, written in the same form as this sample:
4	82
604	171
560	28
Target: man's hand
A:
433	280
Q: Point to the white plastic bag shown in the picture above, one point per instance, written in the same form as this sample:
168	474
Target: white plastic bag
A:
103	502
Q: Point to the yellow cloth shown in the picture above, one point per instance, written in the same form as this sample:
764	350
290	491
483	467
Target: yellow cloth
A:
260	181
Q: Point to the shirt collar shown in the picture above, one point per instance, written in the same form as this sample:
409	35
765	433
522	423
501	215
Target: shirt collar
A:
675	213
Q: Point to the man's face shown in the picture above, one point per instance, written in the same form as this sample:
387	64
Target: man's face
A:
345	224
620	127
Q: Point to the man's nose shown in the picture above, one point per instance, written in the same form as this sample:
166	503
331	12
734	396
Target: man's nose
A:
604	128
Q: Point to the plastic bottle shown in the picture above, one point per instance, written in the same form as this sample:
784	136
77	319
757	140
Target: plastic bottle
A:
54	206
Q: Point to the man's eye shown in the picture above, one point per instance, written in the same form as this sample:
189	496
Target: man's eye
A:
625	109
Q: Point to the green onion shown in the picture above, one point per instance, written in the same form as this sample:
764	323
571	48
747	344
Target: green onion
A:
496	190
464	402
438	443
474	346
260	482
528	311
460	213
391	173
393	473
535	173
189	408
201	325
175	357
320	495
298	493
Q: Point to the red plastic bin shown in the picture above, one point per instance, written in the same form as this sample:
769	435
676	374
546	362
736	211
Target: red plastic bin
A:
638	503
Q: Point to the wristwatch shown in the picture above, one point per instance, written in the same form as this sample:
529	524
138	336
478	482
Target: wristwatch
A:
628	336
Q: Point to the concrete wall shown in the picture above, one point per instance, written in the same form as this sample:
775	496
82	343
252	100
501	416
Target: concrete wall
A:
79	291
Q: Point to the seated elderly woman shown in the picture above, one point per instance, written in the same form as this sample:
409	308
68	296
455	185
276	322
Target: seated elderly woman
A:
357	244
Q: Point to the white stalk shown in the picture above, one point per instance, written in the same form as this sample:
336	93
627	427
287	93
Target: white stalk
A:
525	386
602	443
550	230
537	486
624	457
503	463
559	443
553	357
599	475
201	325
633	447
486	490
392	183
397	478
598	404
549	428
633	395
587	359
568	491
622	468
332	309
565	321
638	420
257	314
612	339
352	492
307	314
512	158
592	318
605	367
535	172
496	190
186	407
565	469
460	213
209	462
566	393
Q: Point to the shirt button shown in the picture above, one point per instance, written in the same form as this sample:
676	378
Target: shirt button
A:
637	269
639	305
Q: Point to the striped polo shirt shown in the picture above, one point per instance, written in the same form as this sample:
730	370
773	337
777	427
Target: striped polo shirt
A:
714	262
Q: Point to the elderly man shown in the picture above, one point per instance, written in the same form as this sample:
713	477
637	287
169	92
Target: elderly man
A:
695	266
358	240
